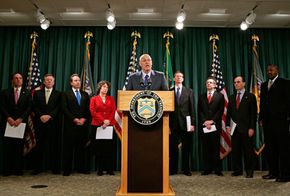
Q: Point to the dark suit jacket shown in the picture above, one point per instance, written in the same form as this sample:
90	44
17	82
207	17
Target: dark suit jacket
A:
40	107
246	115
211	111
15	111
274	104
185	108
157	79
72	109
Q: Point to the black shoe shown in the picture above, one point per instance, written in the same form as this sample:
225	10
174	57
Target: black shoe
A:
35	172
250	175
19	173
187	173
218	173
55	172
205	173
111	173
100	173
237	173
84	172
282	179
66	174
269	177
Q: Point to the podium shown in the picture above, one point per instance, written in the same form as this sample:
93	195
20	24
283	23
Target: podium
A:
145	150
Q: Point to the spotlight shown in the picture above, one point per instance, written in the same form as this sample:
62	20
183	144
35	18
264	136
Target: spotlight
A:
179	25
45	24
244	26
110	15
111	25
181	16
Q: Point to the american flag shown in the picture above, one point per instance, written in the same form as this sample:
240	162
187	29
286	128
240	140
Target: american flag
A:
132	68
33	83
216	72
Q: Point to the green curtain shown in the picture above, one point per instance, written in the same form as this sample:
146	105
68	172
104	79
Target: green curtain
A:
61	52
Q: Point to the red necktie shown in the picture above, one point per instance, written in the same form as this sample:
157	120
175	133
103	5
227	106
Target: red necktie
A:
209	97
16	95
238	100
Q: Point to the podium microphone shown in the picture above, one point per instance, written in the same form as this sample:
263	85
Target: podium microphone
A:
141	82
149	83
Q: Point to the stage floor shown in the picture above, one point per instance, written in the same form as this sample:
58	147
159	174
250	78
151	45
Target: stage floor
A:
91	184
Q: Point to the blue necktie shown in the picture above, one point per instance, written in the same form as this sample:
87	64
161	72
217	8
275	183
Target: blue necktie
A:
178	94
78	95
146	81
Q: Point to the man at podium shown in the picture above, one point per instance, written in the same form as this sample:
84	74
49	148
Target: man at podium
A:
147	79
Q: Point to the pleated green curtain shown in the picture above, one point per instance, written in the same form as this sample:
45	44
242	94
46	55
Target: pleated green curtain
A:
61	52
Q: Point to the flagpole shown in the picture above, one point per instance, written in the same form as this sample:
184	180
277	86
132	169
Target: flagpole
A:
87	36
167	35
213	38
33	36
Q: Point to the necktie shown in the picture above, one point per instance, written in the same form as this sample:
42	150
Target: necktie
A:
78	95
209	97
270	84
146	80
16	95
238	100
177	94
47	94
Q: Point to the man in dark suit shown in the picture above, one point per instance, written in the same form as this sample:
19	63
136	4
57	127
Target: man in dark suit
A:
180	132
242	110
46	106
75	106
15	108
274	117
147	79
210	111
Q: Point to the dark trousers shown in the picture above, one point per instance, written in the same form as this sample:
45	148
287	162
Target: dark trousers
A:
277	147
211	151
175	138
47	147
74	149
103	151
242	145
12	156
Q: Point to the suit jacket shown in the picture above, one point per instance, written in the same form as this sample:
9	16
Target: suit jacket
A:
183	109
246	115
101	111
274	104
211	111
72	109
157	79
20	110
40	107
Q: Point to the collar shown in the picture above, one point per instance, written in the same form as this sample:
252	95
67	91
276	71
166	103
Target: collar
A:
241	91
74	90
144	74
274	79
19	88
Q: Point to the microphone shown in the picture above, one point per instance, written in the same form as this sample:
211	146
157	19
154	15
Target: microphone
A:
141	82
149	83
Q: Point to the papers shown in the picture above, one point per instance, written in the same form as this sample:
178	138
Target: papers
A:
104	133
15	132
212	129
188	123
232	126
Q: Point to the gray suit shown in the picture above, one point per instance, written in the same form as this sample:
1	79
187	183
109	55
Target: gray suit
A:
157	78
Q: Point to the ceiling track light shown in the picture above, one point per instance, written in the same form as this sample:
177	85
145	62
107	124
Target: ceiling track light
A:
249	20
110	17
181	16
44	21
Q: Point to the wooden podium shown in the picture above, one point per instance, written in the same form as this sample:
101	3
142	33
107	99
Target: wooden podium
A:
145	150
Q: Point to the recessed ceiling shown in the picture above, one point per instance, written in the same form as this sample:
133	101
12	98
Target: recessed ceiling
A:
200	13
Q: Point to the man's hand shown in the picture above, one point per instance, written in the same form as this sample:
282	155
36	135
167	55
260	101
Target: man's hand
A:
45	118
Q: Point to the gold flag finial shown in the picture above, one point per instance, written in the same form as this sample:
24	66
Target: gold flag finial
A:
168	35
88	35
136	35
255	38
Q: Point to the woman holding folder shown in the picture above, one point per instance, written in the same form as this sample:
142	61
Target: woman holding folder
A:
102	108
